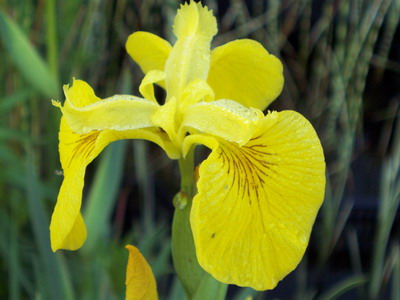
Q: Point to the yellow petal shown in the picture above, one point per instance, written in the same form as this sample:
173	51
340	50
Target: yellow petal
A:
146	87
77	150
194	19
256	204
223	118
120	112
244	71
166	118
149	51
80	94
140	281
194	26
194	92
67	229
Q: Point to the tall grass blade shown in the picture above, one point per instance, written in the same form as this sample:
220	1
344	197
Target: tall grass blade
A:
245	293
18	97
176	291
51	28
14	257
103	193
389	205
26	58
342	287
145	183
396	275
57	284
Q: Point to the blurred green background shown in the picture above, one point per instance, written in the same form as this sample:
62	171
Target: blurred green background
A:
342	71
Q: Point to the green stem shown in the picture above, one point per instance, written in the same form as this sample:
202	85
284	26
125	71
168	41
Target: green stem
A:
197	283
186	168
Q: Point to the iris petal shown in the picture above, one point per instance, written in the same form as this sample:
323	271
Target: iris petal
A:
256	204
194	26
146	87
67	230
77	150
149	51
223	118
244	71
120	112
140	281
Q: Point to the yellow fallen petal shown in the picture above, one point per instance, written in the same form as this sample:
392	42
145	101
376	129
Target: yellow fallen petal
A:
256	204
140	281
244	71
194	26
120	112
223	118
149	51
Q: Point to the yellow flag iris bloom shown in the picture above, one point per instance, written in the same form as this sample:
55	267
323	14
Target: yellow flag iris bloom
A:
261	187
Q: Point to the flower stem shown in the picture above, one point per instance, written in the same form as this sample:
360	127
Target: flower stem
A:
186	168
197	283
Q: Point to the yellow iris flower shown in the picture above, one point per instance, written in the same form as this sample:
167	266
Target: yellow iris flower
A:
261	187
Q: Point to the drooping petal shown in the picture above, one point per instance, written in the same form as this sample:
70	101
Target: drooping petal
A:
194	27
67	229
244	71
256	204
149	51
122	116
223	118
77	150
140	281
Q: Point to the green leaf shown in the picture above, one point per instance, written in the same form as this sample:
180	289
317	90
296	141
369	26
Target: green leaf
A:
244	293
103	193
56	280
343	286
210	288
18	97
26	58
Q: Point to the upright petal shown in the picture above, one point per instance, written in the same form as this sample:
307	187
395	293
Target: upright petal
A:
140	281
80	94
146	87
256	204
194	26
244	71
149	51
